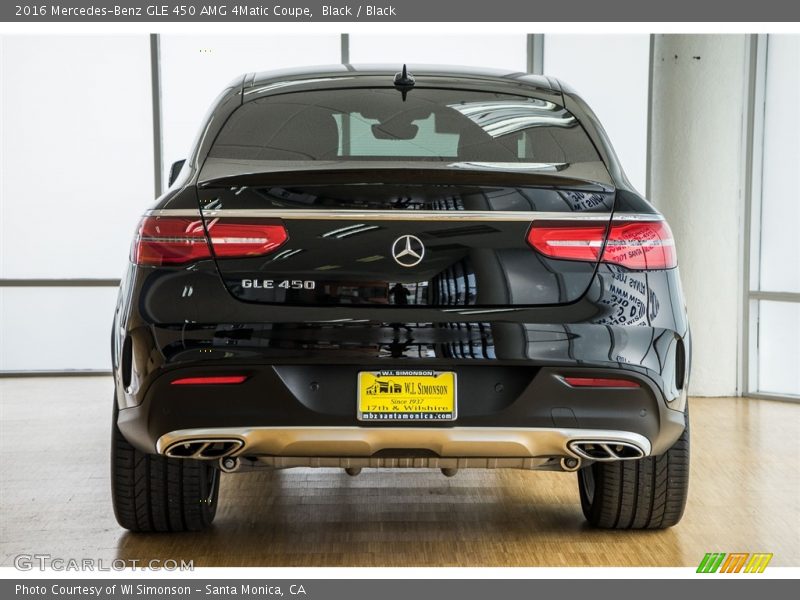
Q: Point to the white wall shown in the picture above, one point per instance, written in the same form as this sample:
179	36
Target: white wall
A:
696	178
610	72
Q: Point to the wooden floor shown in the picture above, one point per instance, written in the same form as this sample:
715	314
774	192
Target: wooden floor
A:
54	498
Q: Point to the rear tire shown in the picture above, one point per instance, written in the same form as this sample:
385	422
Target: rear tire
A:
649	493
153	493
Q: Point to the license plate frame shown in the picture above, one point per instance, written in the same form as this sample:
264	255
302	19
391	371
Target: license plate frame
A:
402	400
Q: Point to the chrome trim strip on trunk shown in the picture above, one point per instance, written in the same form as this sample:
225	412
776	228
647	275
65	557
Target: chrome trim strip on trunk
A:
450	442
405	215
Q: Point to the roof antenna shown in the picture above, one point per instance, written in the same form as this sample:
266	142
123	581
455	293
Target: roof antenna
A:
404	81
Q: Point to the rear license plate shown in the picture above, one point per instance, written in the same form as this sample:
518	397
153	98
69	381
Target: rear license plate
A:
401	395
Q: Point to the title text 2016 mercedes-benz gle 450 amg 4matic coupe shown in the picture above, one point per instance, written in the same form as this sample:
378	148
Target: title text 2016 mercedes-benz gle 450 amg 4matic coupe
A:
361	268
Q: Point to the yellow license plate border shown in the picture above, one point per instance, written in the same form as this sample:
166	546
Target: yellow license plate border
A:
407	373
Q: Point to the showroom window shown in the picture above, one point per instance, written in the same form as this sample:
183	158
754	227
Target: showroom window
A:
77	172
610	72
773	298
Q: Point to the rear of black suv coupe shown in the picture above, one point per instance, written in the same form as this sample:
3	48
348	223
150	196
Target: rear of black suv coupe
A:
359	269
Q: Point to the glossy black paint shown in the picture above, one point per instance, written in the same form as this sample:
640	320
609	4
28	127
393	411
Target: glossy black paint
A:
466	263
516	332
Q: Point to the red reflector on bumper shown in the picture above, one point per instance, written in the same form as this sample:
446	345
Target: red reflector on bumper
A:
218	380
600	382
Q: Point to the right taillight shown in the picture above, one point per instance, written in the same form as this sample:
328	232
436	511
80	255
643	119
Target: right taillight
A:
640	245
177	240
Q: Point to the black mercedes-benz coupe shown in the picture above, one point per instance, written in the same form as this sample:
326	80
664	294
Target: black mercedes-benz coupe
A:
360	268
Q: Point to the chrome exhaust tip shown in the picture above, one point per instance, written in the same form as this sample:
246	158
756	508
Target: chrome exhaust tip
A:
204	449
606	450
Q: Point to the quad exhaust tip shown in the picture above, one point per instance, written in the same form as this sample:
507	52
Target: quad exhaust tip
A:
611	448
204	449
606	450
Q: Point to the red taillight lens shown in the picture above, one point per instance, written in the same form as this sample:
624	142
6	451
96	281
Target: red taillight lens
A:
641	245
571	242
177	240
213	380
635	245
245	238
169	240
600	382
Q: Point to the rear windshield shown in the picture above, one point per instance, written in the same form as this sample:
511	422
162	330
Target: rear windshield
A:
429	125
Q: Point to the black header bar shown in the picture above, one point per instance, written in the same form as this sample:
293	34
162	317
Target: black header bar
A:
399	11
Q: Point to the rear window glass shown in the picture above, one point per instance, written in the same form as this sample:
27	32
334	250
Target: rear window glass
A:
429	125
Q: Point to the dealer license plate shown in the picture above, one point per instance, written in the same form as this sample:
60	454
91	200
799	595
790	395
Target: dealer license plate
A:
406	395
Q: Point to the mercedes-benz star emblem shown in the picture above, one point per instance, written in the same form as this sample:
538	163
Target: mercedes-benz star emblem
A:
408	250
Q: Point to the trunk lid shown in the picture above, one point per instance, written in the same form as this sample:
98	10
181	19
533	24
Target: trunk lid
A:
372	234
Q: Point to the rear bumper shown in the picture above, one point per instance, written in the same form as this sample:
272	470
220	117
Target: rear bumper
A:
364	447
504	412
302	366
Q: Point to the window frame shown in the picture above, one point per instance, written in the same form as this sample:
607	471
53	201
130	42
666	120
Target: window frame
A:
753	295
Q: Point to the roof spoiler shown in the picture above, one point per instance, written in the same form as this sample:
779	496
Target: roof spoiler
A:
469	174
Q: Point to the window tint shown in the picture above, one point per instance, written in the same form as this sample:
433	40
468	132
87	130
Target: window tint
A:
426	143
431	124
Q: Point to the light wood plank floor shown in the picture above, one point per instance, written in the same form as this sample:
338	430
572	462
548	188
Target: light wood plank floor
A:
54	498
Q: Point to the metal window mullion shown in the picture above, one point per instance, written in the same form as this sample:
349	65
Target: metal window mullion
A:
345	49
57	373
756	187
535	53
649	149
775	296
155	84
44	283
752	212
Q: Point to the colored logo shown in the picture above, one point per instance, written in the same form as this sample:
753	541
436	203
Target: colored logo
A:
736	562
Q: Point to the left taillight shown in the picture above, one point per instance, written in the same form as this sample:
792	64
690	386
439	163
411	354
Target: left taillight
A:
177	240
640	245
169	241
